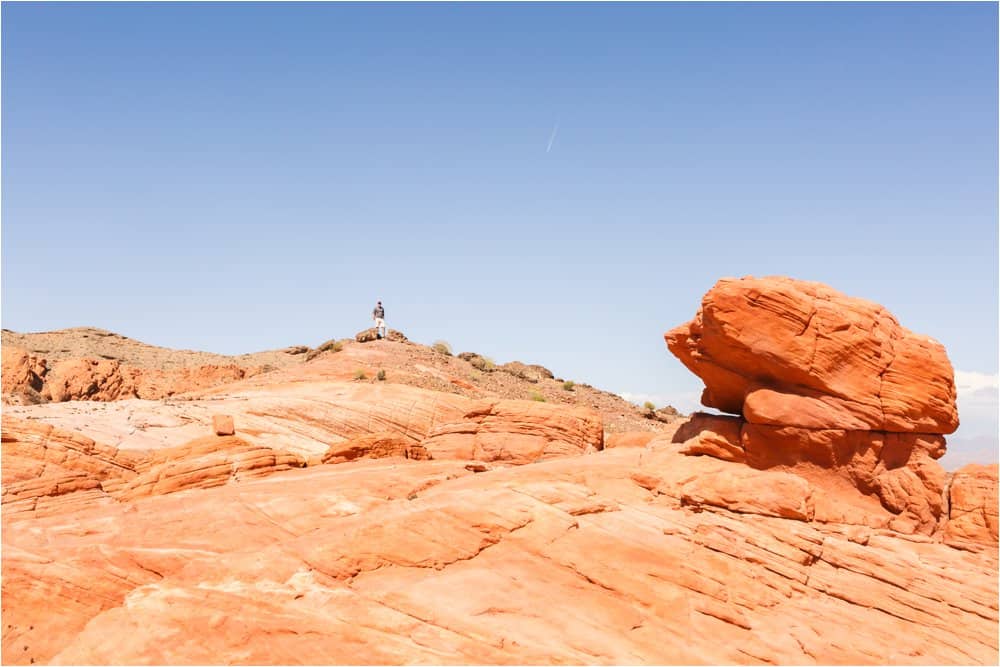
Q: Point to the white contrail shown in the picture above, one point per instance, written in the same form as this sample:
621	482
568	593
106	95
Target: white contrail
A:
555	130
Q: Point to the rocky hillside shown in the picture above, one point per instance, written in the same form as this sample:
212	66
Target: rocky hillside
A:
96	365
94	343
307	515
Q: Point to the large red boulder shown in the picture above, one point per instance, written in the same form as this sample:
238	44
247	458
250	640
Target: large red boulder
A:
795	353
823	380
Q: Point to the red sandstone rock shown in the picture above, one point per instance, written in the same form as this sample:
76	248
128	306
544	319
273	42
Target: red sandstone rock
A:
204	463
747	491
154	384
972	498
376	446
517	432
822	380
712	435
223	425
730	541
46	468
395	561
82	379
22	373
822	359
33	380
629	439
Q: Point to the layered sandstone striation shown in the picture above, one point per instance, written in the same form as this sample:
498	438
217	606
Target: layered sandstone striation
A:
824	380
517	432
787	352
304	518
194	444
394	561
972	505
47	469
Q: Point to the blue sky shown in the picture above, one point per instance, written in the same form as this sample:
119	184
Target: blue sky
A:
234	177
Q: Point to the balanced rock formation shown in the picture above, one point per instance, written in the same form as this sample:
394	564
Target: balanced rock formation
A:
792	353
824	380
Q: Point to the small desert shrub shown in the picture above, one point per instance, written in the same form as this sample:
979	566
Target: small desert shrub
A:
537	397
568	385
360	375
442	347
380	376
482	363
648	405
328	346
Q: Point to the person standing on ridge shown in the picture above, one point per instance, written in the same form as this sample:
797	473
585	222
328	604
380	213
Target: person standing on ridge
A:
378	314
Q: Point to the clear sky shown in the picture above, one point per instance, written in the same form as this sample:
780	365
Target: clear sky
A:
552	183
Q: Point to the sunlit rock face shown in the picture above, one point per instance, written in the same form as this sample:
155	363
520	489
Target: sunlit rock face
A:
328	521
819	378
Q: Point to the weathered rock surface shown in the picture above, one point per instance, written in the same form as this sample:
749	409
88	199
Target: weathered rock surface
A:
47	469
371	523
308	418
281	426
398	561
368	335
23	373
823	380
517	432
376	446
203	463
795	353
223	425
31	379
972	500
629	439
